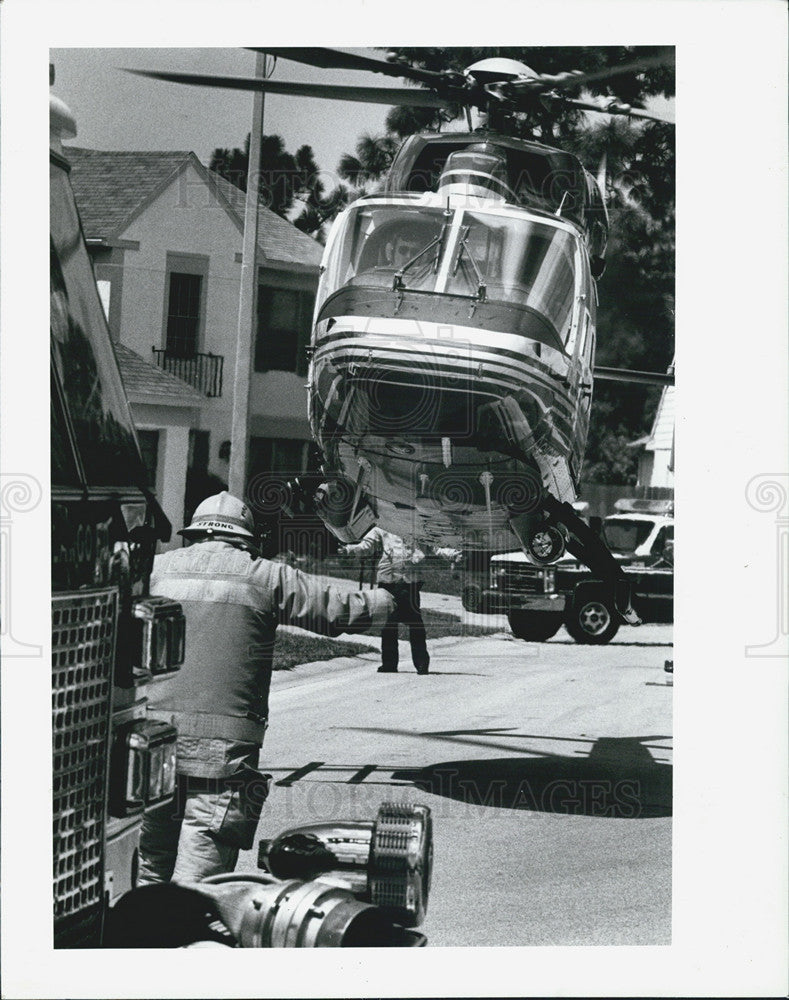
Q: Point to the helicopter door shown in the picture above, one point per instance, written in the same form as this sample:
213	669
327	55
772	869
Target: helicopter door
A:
586	347
585	357
576	338
582	347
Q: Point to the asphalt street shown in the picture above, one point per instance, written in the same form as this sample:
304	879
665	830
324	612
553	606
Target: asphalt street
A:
547	768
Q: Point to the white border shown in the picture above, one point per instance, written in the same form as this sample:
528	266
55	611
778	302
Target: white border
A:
730	850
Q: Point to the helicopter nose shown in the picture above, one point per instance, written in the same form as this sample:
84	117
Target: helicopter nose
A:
423	408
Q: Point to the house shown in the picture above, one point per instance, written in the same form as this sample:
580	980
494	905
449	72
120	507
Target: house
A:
165	235
656	460
164	410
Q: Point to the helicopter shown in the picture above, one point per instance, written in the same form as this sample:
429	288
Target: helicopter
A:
452	353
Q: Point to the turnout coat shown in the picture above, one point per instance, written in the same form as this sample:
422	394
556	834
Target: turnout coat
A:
233	602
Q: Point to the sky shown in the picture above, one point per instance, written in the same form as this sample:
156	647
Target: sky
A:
116	110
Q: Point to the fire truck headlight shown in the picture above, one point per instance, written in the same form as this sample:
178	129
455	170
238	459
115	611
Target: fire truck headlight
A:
142	769
136	770
155	774
160	634
176	641
161	774
168	769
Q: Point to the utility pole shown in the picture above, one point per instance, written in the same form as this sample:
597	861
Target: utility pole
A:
239	431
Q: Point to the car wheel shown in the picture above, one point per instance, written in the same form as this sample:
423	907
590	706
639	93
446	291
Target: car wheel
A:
591	617
546	546
534	626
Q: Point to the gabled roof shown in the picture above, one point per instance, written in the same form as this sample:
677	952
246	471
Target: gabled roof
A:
111	187
141	377
278	239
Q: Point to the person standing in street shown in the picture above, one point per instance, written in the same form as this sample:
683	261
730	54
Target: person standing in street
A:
398	573
232	600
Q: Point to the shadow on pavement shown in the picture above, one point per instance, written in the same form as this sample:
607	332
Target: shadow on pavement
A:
619	779
614	643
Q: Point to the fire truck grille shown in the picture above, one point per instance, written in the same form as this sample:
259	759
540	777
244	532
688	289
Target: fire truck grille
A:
83	647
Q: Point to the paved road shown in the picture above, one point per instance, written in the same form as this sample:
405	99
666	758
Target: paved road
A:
547	767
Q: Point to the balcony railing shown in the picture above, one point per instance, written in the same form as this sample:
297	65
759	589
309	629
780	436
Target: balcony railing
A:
202	371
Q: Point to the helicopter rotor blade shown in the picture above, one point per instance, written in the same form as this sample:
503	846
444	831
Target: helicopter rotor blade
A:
614	108
337	59
372	95
647	116
522	92
576	78
604	374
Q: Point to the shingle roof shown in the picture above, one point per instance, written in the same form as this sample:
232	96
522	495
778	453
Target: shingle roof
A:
277	238
111	186
140	376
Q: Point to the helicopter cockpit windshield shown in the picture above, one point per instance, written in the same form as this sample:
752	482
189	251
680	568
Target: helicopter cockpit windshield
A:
491	256
520	261
382	240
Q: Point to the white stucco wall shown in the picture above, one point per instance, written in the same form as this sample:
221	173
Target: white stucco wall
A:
188	219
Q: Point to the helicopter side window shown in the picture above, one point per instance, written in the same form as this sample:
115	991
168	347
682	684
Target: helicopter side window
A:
546	270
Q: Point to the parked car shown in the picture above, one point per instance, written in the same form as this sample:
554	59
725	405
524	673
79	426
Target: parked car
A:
538	600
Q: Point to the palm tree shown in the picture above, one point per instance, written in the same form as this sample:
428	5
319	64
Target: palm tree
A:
374	155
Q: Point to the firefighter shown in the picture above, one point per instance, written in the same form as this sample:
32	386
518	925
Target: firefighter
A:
398	573
233	601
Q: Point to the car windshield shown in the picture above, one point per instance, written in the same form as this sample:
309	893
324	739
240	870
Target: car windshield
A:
521	261
624	535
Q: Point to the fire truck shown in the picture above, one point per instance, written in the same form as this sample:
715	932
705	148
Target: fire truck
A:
110	639
341	884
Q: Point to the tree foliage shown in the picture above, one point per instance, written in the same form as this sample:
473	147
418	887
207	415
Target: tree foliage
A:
372	158
290	185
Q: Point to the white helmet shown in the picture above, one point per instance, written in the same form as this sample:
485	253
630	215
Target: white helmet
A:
221	514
